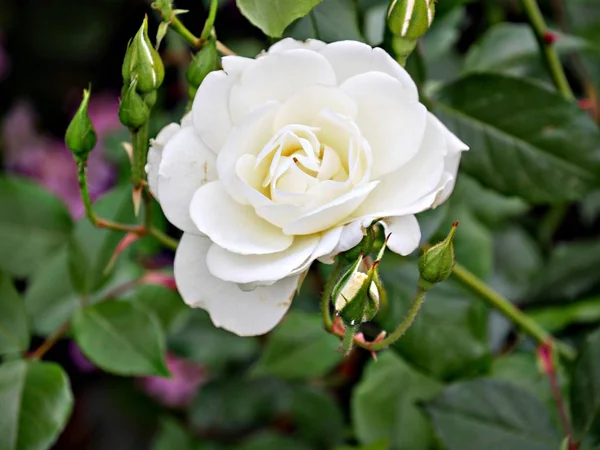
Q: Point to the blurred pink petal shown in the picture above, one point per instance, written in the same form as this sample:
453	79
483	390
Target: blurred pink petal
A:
79	361
179	390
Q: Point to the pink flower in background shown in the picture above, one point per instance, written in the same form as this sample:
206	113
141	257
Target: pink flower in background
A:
179	390
78	359
48	161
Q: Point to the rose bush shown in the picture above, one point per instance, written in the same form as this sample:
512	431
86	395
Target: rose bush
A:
285	159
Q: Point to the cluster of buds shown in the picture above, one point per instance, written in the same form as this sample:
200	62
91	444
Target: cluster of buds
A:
143	73
408	20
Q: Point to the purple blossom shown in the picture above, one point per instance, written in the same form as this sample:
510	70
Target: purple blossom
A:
48	161
179	390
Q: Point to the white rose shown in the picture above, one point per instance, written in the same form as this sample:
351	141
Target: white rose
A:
287	157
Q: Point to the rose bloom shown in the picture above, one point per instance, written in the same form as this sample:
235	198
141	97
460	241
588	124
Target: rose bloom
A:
285	159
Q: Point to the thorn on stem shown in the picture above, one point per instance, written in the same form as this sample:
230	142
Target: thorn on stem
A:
549	38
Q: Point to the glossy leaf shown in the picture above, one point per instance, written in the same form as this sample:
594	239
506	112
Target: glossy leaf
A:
329	21
449	336
14	328
493	415
585	390
273	16
298	348
36	404
120	338
557	318
525	140
171	435
33	226
166	304
385	402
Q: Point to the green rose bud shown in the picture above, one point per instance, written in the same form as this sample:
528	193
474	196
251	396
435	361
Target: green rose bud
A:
142	61
410	19
133	110
205	61
437	263
355	296
80	137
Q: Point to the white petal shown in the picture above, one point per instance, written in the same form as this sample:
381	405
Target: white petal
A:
237	268
233	226
210	110
186	165
278	76
292	44
329	240
155	154
243	313
388	118
351	58
235	65
304	106
413	181
247	138
331	214
405	234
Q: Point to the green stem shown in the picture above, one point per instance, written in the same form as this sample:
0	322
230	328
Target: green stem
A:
536	19
348	339
510	311
180	28
140	142
164	239
404	325
210	21
326	297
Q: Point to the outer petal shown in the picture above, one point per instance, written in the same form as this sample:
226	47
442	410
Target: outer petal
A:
328	242
418	178
210	110
350	237
243	313
292	44
350	58
405	234
392	123
186	165
230	266
278	76
155	155
232	226
235	65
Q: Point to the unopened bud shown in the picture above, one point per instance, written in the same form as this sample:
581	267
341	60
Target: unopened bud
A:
80	137
133	111
355	296
205	61
437	263
410	18
143	61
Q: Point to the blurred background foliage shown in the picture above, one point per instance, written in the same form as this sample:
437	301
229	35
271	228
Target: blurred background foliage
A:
462	377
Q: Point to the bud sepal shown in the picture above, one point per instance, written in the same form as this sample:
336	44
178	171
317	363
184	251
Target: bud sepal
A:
437	262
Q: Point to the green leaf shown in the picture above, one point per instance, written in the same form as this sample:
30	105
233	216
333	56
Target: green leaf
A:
94	247
269	440
385	402
172	436
298	348
377	445
448	339
273	16
491	414
166	304
585	390
121	339
557	318
517	259
34	225
571	271
36	404
14	329
219	350
525	140
330	21
317	418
